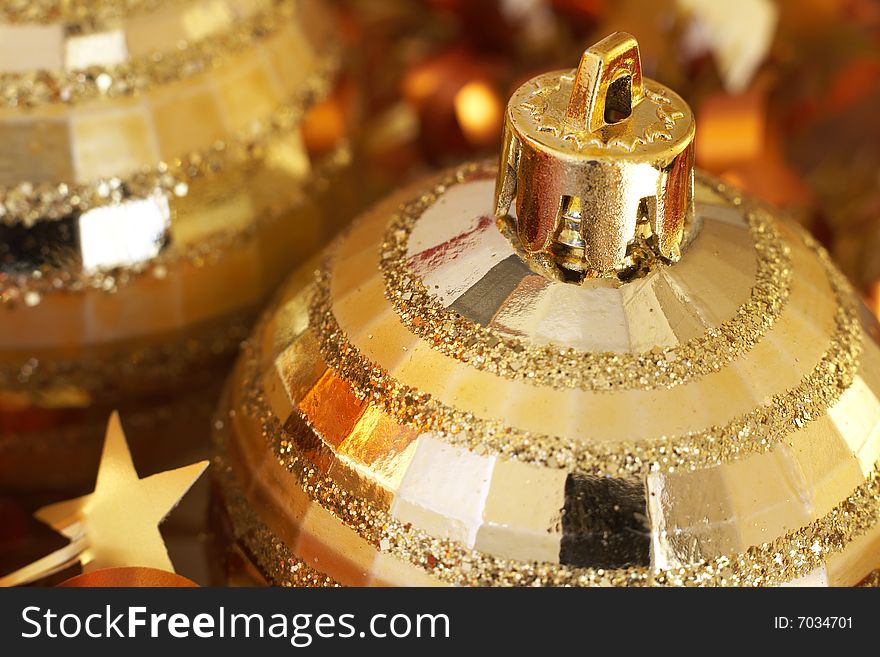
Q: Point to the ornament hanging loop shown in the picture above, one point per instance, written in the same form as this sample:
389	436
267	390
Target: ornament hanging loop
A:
607	85
600	163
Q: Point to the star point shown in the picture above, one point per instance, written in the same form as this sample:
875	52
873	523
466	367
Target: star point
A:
120	519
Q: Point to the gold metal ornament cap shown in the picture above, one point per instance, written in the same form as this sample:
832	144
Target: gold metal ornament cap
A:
600	162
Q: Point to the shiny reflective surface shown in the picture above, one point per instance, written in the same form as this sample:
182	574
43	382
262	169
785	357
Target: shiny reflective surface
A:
600	163
150	199
373	439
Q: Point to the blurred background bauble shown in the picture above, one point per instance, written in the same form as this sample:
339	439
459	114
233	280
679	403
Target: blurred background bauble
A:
162	166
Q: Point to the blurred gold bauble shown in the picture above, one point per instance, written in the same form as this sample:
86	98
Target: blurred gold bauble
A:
162	167
602	371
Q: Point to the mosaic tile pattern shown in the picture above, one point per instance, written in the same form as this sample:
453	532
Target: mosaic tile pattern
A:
466	473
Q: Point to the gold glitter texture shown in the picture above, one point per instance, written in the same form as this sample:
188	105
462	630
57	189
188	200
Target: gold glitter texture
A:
788	491
793	555
151	186
485	348
167	54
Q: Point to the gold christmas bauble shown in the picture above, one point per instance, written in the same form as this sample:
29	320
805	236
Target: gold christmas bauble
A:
164	165
588	366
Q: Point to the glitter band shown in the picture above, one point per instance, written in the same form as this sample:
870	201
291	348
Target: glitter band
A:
872	581
28	203
35	88
30	289
158	362
786	558
265	550
755	432
78	13
512	357
161	362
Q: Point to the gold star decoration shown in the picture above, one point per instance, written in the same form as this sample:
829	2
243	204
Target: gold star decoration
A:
117	524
